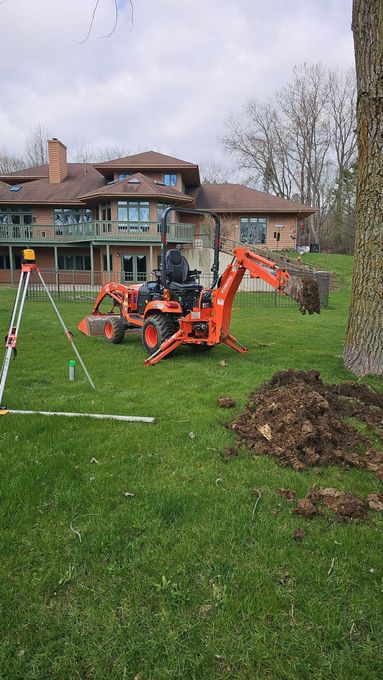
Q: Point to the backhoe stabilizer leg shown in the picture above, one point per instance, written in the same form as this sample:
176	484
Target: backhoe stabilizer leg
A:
234	344
167	346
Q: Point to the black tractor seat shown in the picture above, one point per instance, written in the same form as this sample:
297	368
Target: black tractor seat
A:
181	287
179	276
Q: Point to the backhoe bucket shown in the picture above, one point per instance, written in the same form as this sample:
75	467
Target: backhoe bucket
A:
93	325
304	289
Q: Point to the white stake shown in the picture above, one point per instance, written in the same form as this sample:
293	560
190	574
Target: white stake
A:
99	416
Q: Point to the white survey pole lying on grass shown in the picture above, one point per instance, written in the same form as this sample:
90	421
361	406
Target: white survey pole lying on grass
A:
99	416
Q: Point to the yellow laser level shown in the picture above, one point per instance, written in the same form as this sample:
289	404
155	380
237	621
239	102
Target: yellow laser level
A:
28	255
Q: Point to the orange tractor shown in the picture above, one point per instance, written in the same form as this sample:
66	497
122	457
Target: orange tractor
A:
175	309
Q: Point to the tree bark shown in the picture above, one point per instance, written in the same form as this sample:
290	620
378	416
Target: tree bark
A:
363	352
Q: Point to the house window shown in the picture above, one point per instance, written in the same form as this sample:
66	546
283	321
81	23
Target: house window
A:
4	261
134	267
78	262
105	213
170	180
123	175
253	229
70	216
7	211
135	215
16	221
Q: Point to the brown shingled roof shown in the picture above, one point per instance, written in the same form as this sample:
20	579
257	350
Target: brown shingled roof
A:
148	159
152	160
137	186
232	198
25	175
80	179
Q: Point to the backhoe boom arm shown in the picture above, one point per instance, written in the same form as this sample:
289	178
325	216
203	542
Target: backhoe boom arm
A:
261	268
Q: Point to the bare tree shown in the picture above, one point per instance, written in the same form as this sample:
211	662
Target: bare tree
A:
338	231
9	163
82	153
363	351
115	20
213	172
36	145
298	143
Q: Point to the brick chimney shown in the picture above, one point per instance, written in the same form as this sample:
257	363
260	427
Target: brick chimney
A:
57	161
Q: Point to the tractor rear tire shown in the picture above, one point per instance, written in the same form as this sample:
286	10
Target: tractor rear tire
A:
157	328
114	330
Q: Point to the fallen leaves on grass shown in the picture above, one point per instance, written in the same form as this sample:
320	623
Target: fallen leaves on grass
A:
289	494
265	431
230	452
375	501
299	534
226	402
204	609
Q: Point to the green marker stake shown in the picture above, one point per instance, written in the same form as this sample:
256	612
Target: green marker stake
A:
72	369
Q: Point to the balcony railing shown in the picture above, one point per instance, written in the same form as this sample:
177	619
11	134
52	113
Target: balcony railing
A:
96	230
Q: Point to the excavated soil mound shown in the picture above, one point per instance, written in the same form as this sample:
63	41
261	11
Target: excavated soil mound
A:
344	504
301	422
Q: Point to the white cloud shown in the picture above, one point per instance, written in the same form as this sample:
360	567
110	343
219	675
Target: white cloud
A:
168	84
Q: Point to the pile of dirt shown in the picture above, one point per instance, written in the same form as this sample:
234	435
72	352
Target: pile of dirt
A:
301	422
345	505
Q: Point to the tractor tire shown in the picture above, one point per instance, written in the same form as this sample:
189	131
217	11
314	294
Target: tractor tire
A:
114	330
157	328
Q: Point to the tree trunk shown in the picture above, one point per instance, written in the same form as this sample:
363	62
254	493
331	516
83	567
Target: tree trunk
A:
363	353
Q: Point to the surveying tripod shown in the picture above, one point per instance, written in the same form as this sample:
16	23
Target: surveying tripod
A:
28	266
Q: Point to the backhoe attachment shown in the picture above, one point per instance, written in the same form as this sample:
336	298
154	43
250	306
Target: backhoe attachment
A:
304	290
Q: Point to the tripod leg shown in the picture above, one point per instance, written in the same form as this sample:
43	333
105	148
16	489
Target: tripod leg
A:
11	339
67	333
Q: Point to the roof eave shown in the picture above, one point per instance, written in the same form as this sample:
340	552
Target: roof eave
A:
168	197
20	179
31	201
295	211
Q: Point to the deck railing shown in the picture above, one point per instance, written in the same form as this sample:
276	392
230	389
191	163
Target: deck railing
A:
96	230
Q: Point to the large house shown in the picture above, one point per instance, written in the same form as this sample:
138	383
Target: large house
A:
104	217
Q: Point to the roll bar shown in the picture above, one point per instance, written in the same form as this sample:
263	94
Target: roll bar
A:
217	239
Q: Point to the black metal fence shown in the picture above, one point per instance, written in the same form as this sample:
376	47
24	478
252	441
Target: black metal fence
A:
83	286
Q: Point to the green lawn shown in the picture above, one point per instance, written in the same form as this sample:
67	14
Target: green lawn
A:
180	580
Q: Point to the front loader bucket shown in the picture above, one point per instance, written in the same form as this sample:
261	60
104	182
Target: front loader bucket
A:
94	324
304	289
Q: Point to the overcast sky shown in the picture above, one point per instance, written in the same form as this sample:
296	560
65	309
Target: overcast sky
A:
166	83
